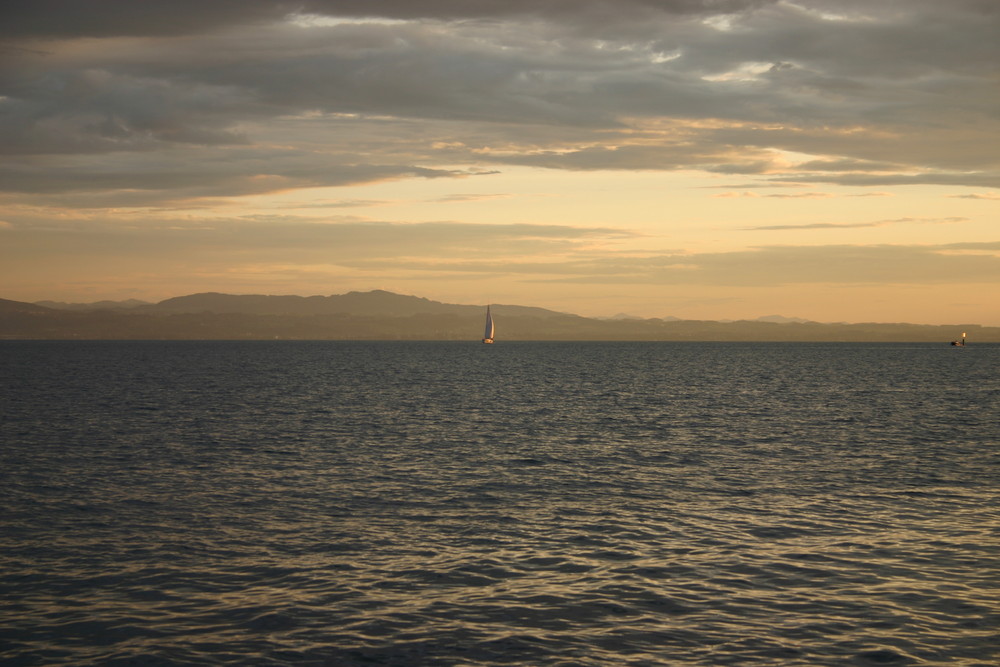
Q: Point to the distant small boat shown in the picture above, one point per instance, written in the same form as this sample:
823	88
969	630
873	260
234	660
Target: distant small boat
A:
488	333
959	343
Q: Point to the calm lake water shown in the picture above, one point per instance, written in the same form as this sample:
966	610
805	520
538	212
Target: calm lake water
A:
404	503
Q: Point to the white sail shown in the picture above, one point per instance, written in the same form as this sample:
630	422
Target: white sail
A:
488	332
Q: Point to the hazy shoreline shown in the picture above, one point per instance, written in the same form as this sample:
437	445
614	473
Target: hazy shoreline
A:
380	315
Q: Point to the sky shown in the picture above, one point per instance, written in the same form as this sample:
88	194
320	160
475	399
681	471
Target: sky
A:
836	160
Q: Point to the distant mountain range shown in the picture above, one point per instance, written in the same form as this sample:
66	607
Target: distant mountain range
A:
94	305
376	302
381	315
781	319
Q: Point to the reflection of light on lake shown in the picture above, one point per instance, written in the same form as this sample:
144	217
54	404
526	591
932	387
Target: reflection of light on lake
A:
415	503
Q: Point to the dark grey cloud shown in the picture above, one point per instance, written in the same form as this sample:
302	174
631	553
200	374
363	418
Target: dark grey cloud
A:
125	18
887	93
98	111
983	179
132	179
463	9
669	156
847	165
117	18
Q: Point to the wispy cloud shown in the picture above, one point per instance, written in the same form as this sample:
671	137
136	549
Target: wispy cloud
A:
342	203
988	196
858	225
470	197
792	195
801	195
346	239
763	266
754	186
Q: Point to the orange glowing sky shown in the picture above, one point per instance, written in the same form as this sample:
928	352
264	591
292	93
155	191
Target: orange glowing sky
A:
836	160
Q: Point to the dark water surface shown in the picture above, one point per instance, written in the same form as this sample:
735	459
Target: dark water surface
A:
336	503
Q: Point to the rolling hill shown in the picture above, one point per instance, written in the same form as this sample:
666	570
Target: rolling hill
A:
381	315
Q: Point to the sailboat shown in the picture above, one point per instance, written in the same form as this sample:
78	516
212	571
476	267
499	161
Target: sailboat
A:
959	343
488	333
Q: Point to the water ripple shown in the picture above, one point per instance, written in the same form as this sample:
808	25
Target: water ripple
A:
342	504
